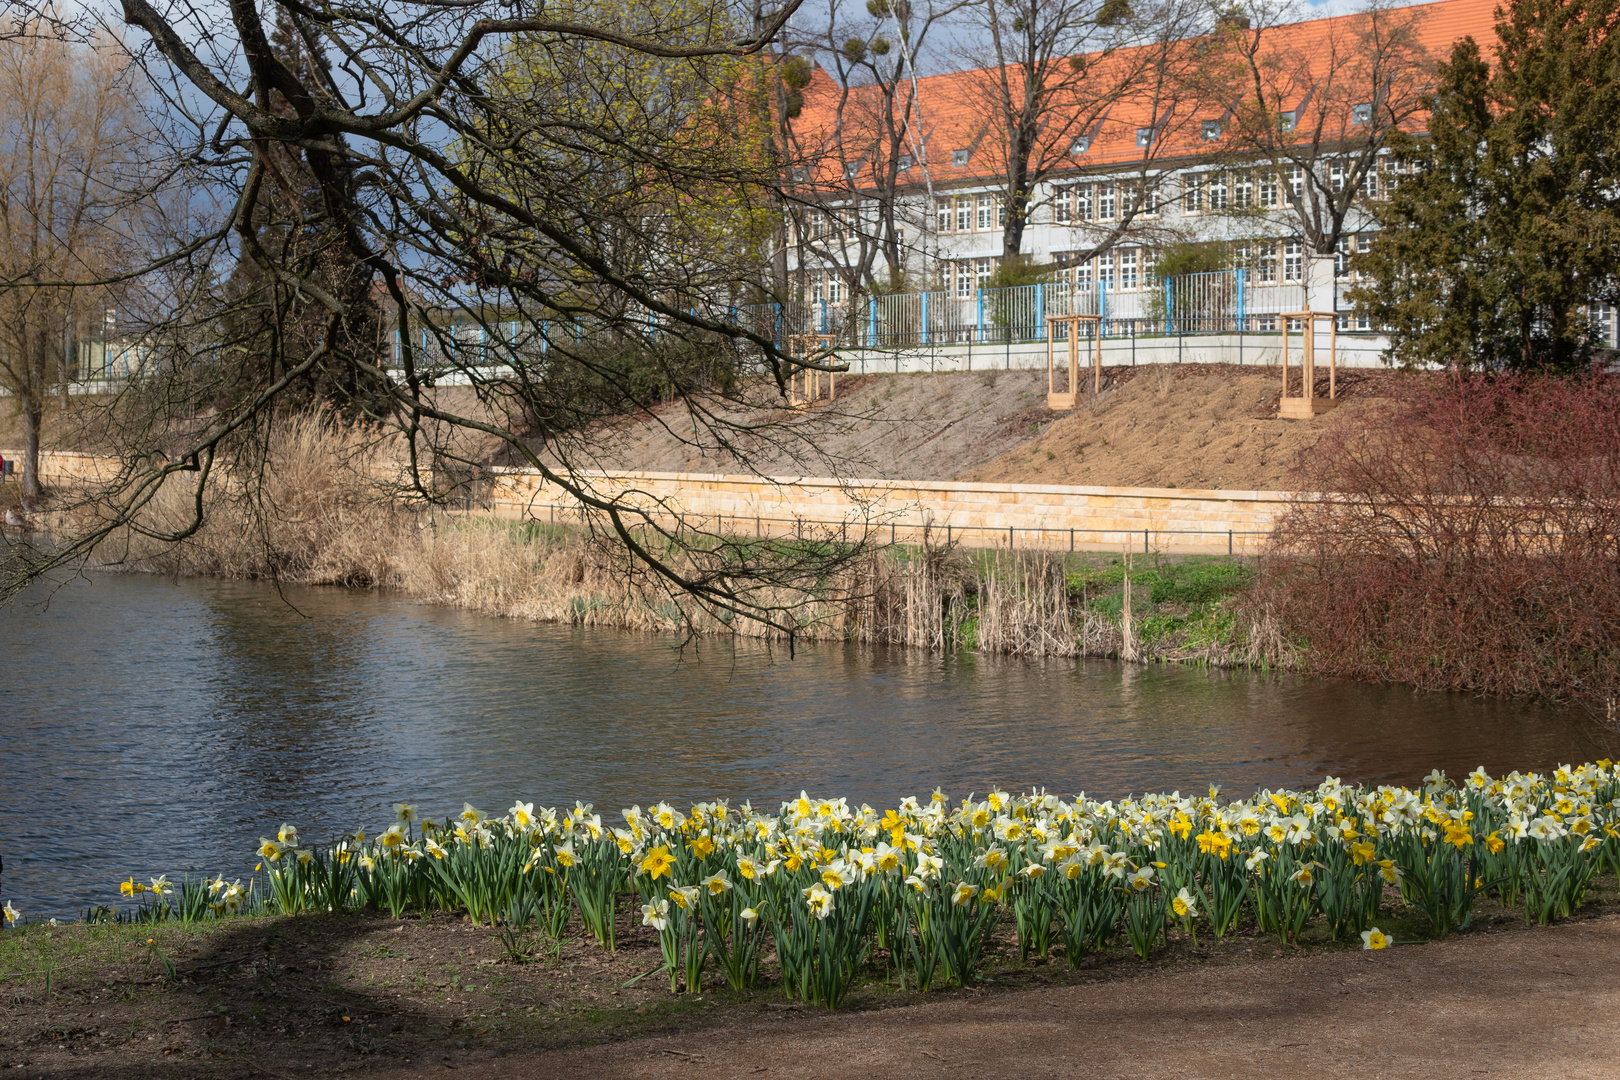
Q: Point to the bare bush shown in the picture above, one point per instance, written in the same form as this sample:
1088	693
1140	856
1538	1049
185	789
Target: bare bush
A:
1468	542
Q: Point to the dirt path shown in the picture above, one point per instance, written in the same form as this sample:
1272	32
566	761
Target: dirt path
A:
1544	1003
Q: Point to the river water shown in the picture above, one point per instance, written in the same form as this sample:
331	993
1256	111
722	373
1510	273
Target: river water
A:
151	726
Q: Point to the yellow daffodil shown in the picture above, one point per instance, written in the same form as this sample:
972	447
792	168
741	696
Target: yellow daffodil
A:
658	862
820	901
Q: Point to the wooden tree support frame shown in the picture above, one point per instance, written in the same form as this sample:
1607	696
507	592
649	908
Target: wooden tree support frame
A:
1307	404
804	384
1071	398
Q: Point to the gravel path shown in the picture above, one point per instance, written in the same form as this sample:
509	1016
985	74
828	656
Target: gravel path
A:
1544	1003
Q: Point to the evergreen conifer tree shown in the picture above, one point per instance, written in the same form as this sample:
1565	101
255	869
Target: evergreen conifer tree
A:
1507	229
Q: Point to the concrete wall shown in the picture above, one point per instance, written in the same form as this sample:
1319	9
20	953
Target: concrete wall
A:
1044	516
1047	516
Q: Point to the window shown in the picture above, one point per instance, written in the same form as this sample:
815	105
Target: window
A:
1265	262
1293	261
1144	138
1085	208
1062	205
1243	190
1211	130
1001	212
942	208
1128	201
1392	170
964	214
1368	188
904	163
1361	114
1079	146
818	291
982	271
985	205
1192	193
1127	268
1294	175
1149	261
1105	270
1215	189
835	288
1105	202
964	278
801	174
959	159
1267	193
851	170
1286	121
1341	258
1336	174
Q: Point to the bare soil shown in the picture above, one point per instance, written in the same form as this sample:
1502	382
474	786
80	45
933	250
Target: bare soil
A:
1164	425
915	426
1188	426
320	996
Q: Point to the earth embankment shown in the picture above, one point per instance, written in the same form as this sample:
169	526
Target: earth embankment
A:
1206	426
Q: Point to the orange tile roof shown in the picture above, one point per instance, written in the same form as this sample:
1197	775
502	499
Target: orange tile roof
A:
951	120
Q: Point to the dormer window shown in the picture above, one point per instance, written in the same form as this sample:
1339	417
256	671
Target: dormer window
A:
1211	130
1144	138
1361	114
801	174
1286	121
1079	146
905	163
959	159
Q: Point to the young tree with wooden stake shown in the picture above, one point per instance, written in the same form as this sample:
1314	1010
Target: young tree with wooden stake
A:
1315	108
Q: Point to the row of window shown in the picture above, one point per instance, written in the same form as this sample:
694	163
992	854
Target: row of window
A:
1103	201
1124	269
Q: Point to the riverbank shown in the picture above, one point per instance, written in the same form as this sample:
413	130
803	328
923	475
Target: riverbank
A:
321	995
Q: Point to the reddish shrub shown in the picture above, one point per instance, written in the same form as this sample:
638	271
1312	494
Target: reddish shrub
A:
1472	541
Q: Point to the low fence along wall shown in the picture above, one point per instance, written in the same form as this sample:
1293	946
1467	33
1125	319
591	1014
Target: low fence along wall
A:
1049	517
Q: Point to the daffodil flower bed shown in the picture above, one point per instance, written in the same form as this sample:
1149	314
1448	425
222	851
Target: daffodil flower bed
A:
830	888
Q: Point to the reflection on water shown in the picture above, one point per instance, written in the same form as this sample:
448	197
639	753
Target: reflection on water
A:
149	726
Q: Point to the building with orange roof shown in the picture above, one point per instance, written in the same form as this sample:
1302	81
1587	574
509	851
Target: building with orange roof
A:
1278	159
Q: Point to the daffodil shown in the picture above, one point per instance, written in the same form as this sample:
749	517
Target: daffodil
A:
404	813
1183	905
658	862
655	914
819	900
288	836
564	855
1374	939
716	883
748	915
963	893
522	814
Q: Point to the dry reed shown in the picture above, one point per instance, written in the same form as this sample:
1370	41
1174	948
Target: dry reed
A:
326	510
